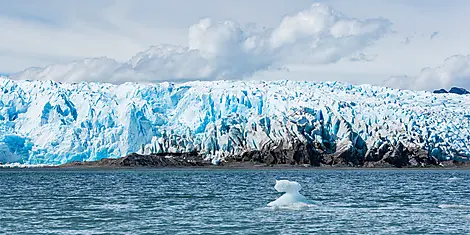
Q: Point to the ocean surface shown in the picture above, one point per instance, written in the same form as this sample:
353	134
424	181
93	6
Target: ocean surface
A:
39	201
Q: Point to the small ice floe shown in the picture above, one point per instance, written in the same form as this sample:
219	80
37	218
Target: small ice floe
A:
216	161
291	199
19	165
455	179
454	206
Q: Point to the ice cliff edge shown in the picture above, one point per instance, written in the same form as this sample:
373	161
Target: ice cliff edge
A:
44	122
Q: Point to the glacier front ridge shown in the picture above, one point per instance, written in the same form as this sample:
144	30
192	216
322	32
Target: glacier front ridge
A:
45	122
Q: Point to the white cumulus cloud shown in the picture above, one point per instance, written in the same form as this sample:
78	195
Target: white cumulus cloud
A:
454	72
227	50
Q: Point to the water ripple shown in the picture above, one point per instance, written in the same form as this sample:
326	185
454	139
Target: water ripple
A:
37	201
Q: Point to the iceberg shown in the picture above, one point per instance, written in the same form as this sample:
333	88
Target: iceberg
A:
291	198
45	122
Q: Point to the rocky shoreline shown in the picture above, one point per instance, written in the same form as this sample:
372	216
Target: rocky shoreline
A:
302	156
137	160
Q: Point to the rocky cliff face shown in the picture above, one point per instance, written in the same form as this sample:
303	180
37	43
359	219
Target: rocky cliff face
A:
453	90
386	155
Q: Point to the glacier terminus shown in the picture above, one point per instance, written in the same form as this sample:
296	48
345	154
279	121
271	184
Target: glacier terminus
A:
45	122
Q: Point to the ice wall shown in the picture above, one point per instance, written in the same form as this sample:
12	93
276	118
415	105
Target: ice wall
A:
44	122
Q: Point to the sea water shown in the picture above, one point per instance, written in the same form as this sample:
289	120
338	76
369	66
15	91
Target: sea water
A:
38	201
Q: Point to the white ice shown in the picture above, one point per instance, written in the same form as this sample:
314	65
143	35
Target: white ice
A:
291	198
454	206
44	122
455	179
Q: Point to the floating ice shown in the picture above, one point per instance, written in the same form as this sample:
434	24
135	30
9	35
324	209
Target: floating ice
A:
292	198
455	179
18	165
454	206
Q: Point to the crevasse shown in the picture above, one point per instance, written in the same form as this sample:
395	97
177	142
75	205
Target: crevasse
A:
44	122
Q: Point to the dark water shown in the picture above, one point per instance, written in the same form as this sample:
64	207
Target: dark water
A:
233	202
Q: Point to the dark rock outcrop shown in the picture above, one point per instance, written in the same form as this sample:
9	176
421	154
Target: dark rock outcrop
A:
453	90
299	155
440	91
346	156
386	155
153	160
458	91
397	155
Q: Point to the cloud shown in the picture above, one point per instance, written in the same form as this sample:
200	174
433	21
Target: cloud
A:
228	50
454	72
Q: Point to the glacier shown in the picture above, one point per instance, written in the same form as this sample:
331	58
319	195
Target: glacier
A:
46	122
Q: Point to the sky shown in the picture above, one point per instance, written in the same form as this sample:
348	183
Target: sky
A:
419	44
